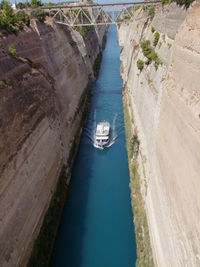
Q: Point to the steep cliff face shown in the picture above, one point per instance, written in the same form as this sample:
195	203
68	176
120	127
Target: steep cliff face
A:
42	99
166	109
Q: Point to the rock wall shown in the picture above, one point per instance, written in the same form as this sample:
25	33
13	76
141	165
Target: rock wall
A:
166	107
41	106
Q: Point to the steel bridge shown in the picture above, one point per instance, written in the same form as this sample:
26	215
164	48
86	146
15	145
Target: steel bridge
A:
94	14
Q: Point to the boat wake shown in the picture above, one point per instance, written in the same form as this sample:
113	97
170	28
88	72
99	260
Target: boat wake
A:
90	133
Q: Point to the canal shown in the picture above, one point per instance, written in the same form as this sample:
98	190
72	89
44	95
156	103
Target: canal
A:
97	224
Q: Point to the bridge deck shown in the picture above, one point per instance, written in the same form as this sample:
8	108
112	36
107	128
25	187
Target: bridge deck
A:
101	5
95	14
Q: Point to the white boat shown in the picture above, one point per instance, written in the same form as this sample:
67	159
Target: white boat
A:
102	134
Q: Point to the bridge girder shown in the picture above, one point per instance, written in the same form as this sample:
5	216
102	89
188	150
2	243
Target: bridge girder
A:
91	15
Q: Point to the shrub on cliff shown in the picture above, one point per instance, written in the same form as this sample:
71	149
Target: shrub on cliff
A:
140	64
156	59
38	14
84	30
152	29
150	54
146	48
156	38
12	50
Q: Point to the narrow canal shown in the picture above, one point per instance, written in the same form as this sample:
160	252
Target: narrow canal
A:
97	223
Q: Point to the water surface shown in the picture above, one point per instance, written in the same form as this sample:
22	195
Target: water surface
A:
97	224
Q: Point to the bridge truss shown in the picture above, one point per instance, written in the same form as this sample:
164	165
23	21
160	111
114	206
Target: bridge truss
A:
95	14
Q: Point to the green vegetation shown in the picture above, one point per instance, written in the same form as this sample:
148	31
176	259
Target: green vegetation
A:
150	53
7	81
163	37
14	21
127	16
152	29
38	14
11	21
85	17
22	16
169	45
140	64
35	3
27	4
97	64
2	84
156	60
73	13
151	11
144	251
22	5
185	3
146	48
72	43
44	243
84	30
0	39
136	7
156	38
166	2
12	50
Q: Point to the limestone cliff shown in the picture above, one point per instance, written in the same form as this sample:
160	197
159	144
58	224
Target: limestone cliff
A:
42	99
166	107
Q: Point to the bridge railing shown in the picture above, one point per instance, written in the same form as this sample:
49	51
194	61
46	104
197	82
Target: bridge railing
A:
94	14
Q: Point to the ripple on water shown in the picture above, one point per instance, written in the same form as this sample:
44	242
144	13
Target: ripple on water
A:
97	225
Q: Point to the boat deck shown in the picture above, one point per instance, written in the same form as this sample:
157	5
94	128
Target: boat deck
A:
103	129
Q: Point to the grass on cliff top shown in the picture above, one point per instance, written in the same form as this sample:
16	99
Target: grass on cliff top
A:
12	21
144	251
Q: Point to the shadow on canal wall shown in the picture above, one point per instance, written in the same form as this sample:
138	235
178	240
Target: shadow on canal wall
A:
73	229
41	108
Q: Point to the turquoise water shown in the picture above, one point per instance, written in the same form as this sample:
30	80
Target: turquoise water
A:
97	224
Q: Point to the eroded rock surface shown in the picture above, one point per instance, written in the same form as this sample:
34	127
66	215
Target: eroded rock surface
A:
41	106
166	105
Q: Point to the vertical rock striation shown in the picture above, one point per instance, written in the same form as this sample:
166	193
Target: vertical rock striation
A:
42	101
166	109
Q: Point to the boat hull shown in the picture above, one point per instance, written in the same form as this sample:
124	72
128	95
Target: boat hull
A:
101	144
